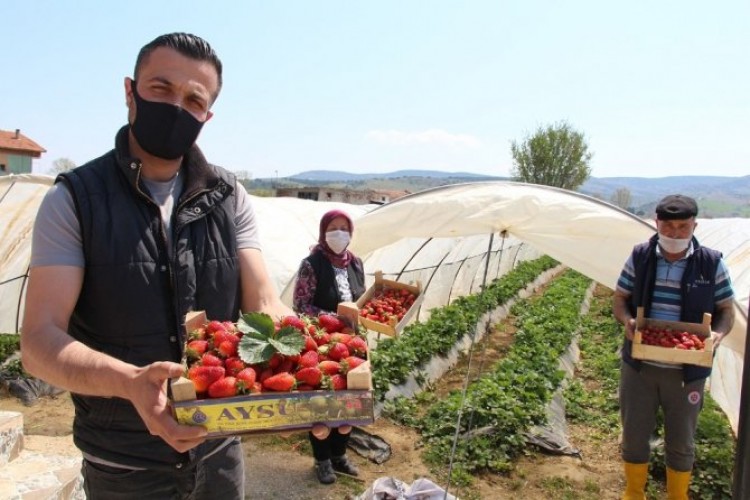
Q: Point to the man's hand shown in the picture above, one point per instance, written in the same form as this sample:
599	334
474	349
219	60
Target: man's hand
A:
723	320
630	329
148	393
622	313
717	337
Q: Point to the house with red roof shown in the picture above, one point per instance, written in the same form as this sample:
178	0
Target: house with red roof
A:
16	152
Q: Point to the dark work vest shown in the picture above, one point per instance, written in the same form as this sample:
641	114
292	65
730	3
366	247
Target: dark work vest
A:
327	296
135	296
697	290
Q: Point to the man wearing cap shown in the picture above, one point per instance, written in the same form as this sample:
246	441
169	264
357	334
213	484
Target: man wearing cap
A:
673	278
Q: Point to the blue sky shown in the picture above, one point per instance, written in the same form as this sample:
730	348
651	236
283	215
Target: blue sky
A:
659	88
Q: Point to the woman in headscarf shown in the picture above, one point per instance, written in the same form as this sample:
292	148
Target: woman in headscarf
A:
329	275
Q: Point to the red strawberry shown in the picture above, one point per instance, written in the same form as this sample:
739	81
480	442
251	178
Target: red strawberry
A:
215	326
223	336
338	351
350	363
294	322
223	388
358	346
275	361
322	337
329	367
341	337
287	365
330	323
204	376
336	382
196	348
310	358
264	374
256	388
210	359
198	334
246	378
229	326
310	344
234	365
281	382
309	376
228	348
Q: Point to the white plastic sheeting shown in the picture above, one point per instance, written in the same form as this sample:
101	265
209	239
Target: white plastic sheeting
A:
450	239
20	196
589	235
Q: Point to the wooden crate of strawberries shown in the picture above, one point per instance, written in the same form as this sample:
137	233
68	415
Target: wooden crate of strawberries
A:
388	306
263	376
673	342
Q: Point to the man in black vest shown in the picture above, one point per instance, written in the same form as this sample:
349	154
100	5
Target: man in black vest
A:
673	278
123	248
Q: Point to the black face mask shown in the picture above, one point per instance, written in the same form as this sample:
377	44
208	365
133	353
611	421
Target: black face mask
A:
162	129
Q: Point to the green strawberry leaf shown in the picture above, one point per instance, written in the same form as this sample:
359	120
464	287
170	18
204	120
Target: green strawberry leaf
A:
288	341
258	322
255	348
260	340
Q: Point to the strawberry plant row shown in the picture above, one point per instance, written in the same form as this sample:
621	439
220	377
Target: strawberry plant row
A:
10	343
513	396
396	358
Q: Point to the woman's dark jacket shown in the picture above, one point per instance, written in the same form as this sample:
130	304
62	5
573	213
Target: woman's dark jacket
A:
327	296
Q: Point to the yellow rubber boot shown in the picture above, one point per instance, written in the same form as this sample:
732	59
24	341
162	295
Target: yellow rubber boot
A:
635	481
677	484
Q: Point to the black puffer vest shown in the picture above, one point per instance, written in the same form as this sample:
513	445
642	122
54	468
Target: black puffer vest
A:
327	296
134	296
698	285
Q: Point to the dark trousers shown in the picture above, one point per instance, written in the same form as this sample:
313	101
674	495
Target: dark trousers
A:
332	446
221	475
641	394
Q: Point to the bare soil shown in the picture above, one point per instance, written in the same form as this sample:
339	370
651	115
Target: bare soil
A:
282	468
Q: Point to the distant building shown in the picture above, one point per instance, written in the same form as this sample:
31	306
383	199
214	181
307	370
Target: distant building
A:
344	195
16	152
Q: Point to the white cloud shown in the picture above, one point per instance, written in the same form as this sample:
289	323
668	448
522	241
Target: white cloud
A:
432	136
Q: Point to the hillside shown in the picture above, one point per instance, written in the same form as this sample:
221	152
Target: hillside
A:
717	196
337	176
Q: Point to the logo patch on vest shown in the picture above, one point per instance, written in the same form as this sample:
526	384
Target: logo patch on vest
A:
694	397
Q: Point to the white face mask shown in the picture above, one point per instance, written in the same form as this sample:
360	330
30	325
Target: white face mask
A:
337	240
673	245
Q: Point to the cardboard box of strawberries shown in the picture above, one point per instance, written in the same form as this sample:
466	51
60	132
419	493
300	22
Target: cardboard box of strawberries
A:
259	375
388	306
673	342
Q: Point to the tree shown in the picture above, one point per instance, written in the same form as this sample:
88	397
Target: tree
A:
556	155
62	165
622	198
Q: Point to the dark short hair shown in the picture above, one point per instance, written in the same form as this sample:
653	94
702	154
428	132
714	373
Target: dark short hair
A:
676	206
188	45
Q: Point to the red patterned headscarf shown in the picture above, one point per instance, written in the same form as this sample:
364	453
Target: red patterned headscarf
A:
339	260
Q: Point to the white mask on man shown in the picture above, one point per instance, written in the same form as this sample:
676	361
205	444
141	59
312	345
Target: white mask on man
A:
673	245
338	240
